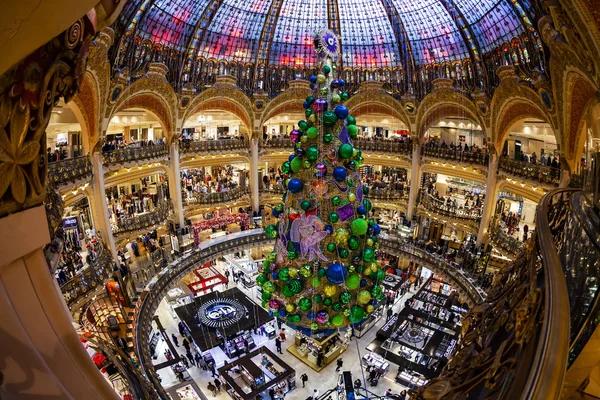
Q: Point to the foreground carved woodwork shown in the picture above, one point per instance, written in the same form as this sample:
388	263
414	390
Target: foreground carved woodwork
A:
28	93
498	338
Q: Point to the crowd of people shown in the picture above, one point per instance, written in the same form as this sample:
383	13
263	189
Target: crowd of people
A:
394	179
122	206
112	145
199	181
460	147
545	160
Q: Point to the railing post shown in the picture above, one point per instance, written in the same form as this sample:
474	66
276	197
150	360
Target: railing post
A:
99	205
415	180
175	182
489	203
254	183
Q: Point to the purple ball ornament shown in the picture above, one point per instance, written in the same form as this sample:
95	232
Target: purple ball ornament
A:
320	170
319	105
322	317
274	305
299	152
335	84
295	136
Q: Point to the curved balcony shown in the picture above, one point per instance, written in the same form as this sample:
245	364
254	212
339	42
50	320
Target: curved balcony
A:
275	189
438	206
201	199
89	278
70	171
144	221
509	244
383	146
132	154
213	146
389	194
532	172
463	157
277	143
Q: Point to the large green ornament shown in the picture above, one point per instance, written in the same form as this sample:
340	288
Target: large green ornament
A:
321	272
266	296
312	153
380	275
368	255
284	274
326	69
318	298
336	201
295	286
351	120
308	113
305	303
279	207
329	118
357	314
344	253
337	320
331	247
303	125
337	307
327	138
305	205
260	280
286	168
296	164
271	231
310	99
334	217
365	190
268	287
344	96
345	151
352	281
367	204
345	297
354	242
376	291
359	227
327	302
352	131
312	132
292	255
315	281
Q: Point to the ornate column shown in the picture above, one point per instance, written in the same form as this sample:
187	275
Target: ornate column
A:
43	352
254	183
99	206
415	180
175	182
491	193
565	172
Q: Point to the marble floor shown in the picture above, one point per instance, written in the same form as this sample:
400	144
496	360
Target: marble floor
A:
323	381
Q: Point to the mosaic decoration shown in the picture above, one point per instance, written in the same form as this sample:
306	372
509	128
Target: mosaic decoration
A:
323	271
219	313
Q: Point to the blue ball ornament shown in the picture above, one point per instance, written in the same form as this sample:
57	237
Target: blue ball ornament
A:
341	112
310	315
363	282
275	213
291	157
275	275
306	105
300	152
313	79
329	229
342	82
335	84
339	174
361	210
376	229
336	274
282	312
295	185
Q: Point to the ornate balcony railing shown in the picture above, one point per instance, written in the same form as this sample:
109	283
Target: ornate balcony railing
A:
503	240
383	146
216	198
273	188
208	146
468	157
70	170
143	221
575	230
515	344
439	206
90	278
534	172
389	194
131	154
277	143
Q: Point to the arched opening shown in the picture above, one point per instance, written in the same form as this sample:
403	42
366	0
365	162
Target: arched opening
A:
65	135
213	125
134	127
460	133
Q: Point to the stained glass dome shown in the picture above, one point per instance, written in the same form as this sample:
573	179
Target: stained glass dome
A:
412	38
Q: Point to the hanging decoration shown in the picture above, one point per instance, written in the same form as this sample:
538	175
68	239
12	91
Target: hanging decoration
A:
323	272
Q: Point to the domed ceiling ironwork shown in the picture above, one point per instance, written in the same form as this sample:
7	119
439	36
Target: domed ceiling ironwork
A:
265	43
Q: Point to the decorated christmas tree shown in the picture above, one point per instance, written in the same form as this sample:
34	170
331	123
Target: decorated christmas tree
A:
323	272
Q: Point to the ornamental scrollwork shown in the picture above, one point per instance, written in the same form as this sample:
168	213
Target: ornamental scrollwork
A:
28	93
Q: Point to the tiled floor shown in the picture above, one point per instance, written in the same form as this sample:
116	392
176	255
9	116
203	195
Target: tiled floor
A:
323	381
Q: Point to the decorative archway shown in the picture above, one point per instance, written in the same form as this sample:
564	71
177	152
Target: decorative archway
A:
444	110
86	110
369	102
152	103
512	112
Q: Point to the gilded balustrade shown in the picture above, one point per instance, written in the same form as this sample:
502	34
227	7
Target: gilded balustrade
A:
144	221
383	146
503	240
533	172
131	154
199	199
441	207
453	155
209	146
70	170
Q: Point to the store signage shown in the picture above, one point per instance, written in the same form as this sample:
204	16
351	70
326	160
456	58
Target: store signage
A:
387	329
69	222
221	312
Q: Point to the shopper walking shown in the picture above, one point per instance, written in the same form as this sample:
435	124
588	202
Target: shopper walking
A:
218	385
278	345
340	362
174	338
199	361
213	369
212	388
190	357
185	362
315	395
389	314
304	378
181	329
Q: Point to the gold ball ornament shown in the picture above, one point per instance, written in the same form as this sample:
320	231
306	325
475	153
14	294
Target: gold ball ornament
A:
290	308
330	290
351	197
294	272
321	78
303	138
370	242
312	118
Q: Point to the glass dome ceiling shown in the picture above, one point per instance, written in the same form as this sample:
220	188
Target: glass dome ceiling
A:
403	34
